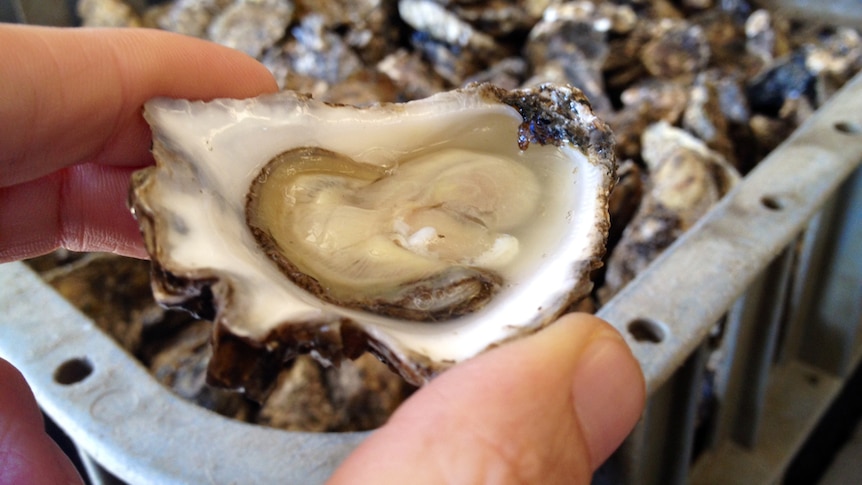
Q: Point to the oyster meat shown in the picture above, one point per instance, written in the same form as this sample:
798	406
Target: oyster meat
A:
425	232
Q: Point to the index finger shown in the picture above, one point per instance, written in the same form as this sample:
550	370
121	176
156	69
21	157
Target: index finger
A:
70	96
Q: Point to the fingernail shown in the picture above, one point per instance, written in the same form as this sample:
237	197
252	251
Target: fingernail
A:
608	390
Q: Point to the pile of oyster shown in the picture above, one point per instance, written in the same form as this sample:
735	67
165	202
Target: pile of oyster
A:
695	91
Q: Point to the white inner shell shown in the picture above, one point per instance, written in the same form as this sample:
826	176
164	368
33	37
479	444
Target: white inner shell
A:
229	141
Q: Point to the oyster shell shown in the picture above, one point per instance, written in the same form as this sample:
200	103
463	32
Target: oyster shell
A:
425	232
686	179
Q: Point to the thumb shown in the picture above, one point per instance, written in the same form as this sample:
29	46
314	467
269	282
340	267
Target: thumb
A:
549	408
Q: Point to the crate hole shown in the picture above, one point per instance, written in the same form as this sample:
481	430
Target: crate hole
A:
771	203
848	127
73	371
646	330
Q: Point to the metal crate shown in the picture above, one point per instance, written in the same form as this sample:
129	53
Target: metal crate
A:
777	265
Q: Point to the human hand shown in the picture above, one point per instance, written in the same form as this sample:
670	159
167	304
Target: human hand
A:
546	409
70	108
549	408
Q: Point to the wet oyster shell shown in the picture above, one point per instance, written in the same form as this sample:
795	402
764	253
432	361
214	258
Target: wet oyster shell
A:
191	207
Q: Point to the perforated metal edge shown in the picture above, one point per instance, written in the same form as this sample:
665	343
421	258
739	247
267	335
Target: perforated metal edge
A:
128	422
698	278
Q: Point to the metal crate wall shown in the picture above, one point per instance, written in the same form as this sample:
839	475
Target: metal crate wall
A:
775	274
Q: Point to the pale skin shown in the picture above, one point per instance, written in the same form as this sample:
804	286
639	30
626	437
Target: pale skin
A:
549	408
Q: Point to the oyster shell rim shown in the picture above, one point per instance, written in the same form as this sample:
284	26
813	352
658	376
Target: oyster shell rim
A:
555	115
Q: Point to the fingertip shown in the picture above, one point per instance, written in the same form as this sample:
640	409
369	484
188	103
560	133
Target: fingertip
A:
608	392
547	408
607	383
207	70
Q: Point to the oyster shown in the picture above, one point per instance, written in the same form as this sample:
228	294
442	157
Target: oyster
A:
425	232
686	179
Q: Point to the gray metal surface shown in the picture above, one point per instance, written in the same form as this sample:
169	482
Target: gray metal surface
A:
129	423
796	398
769	393
697	280
730	266
831	318
753	327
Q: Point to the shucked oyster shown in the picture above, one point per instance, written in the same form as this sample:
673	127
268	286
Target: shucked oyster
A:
425	232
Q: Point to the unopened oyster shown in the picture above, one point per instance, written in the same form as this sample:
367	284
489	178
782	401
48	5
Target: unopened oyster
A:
425	232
